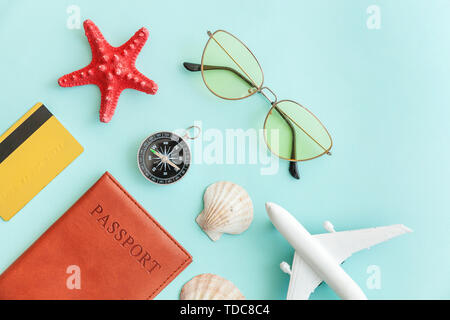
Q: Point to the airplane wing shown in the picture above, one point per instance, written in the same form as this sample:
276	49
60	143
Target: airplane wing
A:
343	244
303	280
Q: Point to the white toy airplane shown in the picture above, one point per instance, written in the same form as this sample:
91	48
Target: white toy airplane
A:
318	258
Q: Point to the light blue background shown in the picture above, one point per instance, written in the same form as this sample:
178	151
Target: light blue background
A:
383	94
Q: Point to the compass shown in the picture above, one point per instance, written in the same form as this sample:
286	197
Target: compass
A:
164	157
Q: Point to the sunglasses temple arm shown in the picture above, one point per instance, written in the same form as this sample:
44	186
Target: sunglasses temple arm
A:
198	67
293	169
293	165
192	66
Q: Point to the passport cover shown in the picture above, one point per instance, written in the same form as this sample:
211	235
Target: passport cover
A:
32	153
106	246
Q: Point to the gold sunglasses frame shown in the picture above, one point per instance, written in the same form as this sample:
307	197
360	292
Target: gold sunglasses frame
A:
273	103
211	37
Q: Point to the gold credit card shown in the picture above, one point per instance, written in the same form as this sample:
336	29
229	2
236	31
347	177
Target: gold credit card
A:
32	153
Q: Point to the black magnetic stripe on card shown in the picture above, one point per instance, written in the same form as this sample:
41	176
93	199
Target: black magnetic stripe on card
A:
24	131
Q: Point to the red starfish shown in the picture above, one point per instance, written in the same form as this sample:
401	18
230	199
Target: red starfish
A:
112	69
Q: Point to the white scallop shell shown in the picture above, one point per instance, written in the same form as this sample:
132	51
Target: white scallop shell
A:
227	209
209	286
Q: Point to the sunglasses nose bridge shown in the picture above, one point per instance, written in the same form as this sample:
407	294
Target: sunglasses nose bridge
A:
263	91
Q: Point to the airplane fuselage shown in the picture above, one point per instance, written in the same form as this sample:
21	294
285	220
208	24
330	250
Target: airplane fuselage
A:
314	254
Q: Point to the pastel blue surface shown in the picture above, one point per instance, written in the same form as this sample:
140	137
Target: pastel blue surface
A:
383	94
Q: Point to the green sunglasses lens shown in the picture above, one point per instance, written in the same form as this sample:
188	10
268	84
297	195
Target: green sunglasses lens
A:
294	133
229	69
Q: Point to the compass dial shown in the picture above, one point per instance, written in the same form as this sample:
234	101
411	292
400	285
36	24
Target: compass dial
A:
164	158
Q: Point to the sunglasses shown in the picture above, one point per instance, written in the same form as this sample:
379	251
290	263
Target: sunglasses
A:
231	71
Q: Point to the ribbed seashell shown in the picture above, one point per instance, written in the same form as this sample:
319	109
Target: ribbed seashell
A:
209	286
227	209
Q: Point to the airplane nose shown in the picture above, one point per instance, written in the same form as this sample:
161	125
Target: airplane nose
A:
271	210
269	206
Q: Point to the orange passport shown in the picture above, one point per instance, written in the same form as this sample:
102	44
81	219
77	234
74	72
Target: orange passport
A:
106	246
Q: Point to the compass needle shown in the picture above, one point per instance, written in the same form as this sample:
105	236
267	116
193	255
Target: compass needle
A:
164	158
